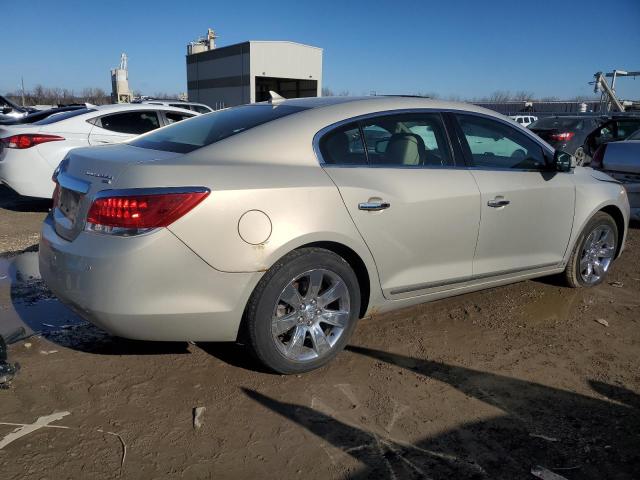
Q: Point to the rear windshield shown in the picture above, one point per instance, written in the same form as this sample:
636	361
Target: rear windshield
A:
552	122
197	132
56	117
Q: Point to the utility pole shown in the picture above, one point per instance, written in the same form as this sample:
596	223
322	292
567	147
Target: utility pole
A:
22	82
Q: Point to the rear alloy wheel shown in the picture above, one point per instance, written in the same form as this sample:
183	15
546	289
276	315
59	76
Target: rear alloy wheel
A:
594	252
303	311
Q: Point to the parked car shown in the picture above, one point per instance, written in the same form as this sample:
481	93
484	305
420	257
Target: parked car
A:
196	107
621	160
39	115
614	129
566	133
10	111
524	120
278	224
29	153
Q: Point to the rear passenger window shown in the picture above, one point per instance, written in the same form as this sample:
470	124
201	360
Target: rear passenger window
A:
343	146
200	109
493	144
406	140
173	117
131	122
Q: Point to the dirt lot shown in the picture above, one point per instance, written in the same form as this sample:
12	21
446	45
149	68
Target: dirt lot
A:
486	385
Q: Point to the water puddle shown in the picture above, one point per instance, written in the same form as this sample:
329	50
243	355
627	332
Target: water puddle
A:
27	307
553	306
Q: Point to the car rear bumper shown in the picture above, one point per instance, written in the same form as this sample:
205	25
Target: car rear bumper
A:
148	287
26	172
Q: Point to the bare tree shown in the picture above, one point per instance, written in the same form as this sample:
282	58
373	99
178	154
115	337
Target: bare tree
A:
60	96
523	96
500	96
327	92
585	98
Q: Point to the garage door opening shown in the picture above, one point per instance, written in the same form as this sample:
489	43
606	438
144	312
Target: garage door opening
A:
285	87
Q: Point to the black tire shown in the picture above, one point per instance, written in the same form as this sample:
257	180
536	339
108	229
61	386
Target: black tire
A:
572	275
265	298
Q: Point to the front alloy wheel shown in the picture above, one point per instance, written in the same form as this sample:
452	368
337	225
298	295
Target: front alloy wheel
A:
597	254
593	252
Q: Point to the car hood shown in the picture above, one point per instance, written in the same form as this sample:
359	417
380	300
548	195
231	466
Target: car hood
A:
602	177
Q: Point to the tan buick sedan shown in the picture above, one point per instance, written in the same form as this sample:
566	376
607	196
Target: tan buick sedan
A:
283	223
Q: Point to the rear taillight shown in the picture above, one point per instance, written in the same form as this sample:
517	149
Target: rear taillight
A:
562	137
598	157
131	214
29	140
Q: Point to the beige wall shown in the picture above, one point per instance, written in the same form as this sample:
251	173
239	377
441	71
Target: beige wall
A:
285	60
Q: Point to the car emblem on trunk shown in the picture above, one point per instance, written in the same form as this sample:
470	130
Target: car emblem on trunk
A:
105	178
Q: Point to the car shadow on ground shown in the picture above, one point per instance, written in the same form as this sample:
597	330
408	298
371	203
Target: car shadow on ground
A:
10	200
235	354
575	435
88	338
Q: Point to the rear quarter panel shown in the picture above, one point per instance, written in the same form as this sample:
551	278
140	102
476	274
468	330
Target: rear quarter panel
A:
256	171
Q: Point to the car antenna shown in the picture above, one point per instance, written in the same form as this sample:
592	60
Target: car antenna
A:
275	98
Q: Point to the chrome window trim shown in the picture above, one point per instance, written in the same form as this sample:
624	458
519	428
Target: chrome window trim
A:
325	130
123	192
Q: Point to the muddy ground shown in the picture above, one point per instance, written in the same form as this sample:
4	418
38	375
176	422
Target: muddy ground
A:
485	385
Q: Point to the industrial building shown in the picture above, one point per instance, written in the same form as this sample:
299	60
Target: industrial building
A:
120	92
246	72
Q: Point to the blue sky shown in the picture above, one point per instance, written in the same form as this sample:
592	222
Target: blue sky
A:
453	47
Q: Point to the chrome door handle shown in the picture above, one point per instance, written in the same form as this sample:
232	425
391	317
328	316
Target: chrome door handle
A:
498	202
373	206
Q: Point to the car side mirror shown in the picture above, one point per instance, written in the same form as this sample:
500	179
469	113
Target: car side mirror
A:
563	161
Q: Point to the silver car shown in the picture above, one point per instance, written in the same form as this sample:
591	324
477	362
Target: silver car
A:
283	223
621	160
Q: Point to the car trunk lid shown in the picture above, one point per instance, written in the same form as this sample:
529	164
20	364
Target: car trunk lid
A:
87	171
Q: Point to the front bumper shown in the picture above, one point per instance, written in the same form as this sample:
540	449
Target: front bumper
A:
148	287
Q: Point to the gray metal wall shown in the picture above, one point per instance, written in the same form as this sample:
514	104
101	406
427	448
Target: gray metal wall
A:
220	77
227	76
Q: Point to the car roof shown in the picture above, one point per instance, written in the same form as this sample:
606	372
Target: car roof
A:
167	102
351	105
133	106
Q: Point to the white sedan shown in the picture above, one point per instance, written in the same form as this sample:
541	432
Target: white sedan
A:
29	154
